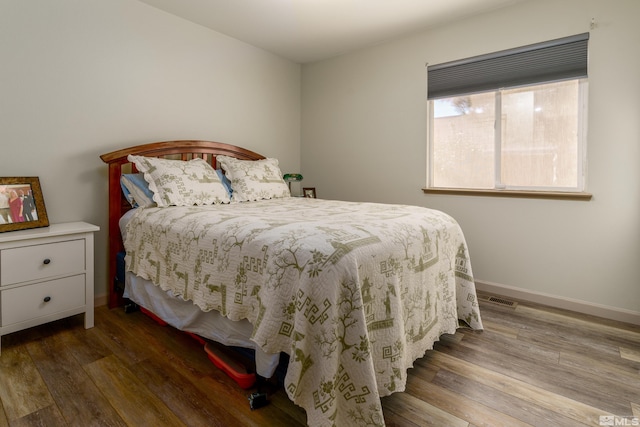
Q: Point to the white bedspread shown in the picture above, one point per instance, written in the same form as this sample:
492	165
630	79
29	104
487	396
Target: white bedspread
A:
354	292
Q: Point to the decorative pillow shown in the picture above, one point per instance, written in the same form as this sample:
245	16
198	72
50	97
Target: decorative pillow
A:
181	183
136	190
254	179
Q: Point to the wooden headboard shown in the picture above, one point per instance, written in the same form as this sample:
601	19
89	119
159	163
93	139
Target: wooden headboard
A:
119	164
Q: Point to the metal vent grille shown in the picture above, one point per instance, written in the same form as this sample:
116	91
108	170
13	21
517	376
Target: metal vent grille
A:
502	301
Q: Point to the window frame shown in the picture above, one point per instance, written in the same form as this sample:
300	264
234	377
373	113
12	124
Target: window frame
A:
583	88
499	188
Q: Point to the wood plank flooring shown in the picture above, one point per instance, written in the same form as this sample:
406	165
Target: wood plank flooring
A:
531	366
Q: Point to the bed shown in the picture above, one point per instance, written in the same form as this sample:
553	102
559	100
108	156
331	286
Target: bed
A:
353	292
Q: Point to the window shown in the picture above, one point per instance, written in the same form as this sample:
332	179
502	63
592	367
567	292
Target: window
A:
512	120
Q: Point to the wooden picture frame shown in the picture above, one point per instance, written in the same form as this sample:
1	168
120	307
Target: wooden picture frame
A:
21	204
309	192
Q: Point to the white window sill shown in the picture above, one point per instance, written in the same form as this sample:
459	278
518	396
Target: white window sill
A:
562	195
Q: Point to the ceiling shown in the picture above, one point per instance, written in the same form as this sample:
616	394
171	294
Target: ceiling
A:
311	30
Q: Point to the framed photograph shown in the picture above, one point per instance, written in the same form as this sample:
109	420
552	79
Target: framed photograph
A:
309	192
21	204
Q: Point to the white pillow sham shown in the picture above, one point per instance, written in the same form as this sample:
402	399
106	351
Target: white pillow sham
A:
181	183
254	179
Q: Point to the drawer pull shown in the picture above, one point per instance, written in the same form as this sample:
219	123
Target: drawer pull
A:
47	299
46	261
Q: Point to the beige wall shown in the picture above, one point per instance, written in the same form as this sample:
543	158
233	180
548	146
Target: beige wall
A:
363	138
79	78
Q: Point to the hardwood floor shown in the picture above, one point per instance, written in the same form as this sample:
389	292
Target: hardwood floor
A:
532	365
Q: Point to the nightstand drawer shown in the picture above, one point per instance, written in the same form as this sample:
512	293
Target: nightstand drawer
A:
35	262
41	299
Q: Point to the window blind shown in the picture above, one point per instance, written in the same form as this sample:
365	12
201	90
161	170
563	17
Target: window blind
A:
553	60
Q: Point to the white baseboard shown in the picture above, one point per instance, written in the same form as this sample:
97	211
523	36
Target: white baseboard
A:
100	300
607	312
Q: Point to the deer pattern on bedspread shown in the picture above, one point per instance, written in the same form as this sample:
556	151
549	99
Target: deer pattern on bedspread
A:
353	292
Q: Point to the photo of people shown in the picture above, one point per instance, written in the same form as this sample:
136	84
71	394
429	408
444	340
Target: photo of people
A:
17	204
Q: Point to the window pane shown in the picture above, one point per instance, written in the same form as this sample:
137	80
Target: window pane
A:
463	141
540	135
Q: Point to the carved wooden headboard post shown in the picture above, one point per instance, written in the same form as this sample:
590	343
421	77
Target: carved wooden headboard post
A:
118	205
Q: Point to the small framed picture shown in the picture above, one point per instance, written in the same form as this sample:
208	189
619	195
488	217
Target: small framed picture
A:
21	204
309	192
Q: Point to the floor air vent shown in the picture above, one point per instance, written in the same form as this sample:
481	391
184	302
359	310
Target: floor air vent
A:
503	302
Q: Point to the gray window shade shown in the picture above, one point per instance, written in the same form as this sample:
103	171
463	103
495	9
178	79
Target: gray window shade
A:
559	59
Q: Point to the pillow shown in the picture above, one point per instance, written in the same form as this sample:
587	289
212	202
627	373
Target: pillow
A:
254	179
181	183
136	190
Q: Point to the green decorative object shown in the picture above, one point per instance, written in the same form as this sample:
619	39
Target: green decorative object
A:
289	177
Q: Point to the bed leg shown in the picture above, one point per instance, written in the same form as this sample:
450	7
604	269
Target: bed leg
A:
265	387
258	400
130	307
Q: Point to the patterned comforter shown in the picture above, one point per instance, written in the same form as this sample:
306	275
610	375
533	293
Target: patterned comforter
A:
353	292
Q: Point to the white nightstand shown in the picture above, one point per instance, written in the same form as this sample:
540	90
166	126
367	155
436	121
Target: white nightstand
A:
46	274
